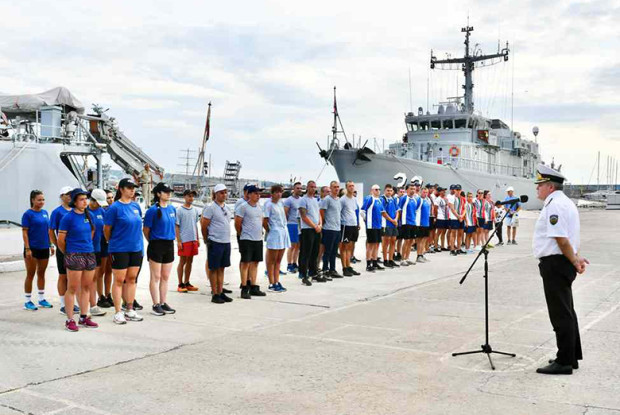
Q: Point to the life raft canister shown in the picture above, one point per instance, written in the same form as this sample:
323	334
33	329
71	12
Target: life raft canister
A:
454	151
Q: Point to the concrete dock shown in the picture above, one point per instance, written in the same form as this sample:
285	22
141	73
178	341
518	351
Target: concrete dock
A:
372	344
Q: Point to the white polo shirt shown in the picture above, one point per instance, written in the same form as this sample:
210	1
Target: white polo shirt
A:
558	218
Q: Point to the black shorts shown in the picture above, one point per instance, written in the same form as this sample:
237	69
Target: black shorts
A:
38	253
218	255
349	234
453	224
124	260
433	223
373	236
390	232
98	258
60	262
251	251
423	232
442	224
160	251
80	261
409	231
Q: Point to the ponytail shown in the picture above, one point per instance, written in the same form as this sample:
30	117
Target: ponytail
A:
90	222
33	195
117	196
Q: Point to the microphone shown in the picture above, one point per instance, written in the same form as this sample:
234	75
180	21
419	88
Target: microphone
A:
522	199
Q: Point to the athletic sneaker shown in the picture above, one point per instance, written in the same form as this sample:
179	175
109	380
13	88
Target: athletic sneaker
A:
88	323
388	264
282	289
190	287
501	243
97	312
136	305
157	310
370	268
326	275
217	299
272	287
462	251
71	326
245	292
379	267
131	315
76	309
62	311
305	281
45	304
515	243
334	274
404	263
453	253
119	318
226	298
394	264
347	272
167	309
102	302
318	278
255	291
289	268
181	288
30	306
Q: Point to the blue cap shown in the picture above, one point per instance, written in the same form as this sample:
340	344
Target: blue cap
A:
250	188
75	193
452	187
457	187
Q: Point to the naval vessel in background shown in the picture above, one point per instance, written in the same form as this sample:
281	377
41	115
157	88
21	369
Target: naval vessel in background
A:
454	145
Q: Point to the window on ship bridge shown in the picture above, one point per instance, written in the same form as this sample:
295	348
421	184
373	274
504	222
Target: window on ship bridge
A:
435	124
448	124
460	123
424	125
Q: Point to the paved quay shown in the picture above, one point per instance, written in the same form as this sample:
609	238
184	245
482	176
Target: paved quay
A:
373	344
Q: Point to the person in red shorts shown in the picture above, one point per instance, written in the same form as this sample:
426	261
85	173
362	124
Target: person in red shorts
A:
187	240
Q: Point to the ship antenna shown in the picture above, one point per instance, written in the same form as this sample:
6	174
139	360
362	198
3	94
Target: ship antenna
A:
410	92
337	121
468	64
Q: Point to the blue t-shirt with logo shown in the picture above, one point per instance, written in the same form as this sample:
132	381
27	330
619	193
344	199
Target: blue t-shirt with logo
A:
38	224
162	228
408	208
374	209
79	238
56	217
425	212
97	216
512	208
126	222
390	205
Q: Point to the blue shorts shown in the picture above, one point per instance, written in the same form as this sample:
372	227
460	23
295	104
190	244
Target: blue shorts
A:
488	226
218	255
454	224
470	229
293	232
442	224
480	223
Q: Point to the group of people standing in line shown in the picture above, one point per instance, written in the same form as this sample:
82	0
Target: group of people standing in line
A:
98	239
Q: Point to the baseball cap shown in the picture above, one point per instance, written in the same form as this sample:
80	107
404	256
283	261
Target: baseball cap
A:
64	190
452	187
162	187
429	186
510	189
457	187
99	196
247	185
127	182
190	192
251	189
440	189
75	193
220	186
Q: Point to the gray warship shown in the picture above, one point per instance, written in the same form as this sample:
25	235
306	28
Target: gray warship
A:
453	145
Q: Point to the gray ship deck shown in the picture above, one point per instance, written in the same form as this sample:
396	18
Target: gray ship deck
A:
373	344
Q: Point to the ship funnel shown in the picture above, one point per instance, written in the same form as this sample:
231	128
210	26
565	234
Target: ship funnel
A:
440	109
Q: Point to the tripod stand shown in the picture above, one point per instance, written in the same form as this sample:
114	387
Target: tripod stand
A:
486	347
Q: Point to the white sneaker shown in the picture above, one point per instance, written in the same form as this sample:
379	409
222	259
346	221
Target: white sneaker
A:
131	315
97	312
119	318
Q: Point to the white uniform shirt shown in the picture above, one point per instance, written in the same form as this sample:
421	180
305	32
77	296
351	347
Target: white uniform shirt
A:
451	199
558	218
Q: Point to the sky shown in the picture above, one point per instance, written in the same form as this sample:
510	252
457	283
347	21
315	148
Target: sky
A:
269	68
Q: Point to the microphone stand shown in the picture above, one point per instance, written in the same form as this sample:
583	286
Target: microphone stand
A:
486	347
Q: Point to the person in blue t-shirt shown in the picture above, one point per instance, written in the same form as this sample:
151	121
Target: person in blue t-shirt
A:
390	230
425	223
123	231
55	218
374	214
97	202
35	225
408	207
159	229
75	240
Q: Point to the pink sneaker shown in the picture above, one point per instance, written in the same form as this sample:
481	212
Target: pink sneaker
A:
87	322
71	326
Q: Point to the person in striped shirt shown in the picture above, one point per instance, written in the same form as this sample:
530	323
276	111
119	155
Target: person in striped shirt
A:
488	214
470	222
478	203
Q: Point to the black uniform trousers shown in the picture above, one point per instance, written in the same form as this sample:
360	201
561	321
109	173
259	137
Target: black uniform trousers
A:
309	242
558	275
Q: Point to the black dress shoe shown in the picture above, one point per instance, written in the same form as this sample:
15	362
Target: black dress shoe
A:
575	366
305	281
555	369
225	291
335	274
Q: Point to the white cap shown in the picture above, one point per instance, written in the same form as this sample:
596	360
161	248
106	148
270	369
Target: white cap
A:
100	196
219	187
510	189
64	190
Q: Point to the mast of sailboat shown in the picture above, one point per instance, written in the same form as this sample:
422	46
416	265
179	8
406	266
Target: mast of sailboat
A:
468	64
201	169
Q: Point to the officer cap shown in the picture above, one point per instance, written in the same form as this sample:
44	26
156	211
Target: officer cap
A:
547	174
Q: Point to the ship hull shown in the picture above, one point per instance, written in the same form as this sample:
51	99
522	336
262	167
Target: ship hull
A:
26	166
382	168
